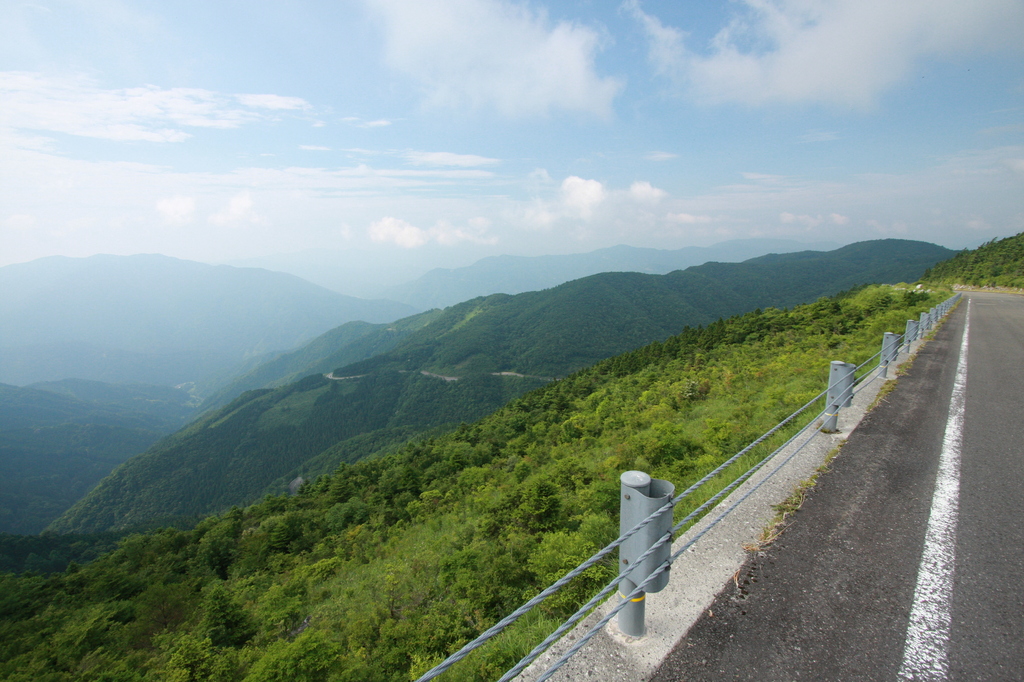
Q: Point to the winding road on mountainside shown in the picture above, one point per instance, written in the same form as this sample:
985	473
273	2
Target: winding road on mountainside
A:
905	560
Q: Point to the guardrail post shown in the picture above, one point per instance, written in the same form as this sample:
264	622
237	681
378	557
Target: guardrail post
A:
910	335
840	392
640	497
922	325
890	347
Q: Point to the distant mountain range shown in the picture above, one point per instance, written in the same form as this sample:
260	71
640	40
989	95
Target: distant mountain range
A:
443	287
452	367
58	440
399	276
158	320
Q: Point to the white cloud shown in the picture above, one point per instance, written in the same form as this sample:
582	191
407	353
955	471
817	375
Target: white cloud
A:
495	54
840	52
807	221
239	210
688	218
447	234
764	178
644	192
582	196
76	105
273	102
360	123
20	221
314	148
448	159
397	231
839	219
406	235
660	156
177	210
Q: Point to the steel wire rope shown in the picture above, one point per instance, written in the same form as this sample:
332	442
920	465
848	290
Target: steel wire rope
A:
596	599
498	627
661	569
640	588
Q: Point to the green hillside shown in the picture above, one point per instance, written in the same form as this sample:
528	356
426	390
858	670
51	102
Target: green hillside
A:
265	439
57	444
351	342
378	571
442	287
999	263
173	407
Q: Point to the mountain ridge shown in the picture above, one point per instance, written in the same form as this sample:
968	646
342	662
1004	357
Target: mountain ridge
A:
156	319
442	287
308	427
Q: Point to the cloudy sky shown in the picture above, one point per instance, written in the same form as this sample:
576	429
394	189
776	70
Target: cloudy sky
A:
452	129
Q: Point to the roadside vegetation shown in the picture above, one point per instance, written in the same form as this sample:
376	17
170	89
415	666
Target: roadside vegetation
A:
380	569
999	263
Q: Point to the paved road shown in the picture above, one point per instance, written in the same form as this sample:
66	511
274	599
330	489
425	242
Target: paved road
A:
832	598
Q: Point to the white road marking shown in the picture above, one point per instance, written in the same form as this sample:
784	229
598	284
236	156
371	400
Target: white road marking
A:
926	651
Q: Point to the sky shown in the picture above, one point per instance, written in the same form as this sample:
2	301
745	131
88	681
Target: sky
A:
435	133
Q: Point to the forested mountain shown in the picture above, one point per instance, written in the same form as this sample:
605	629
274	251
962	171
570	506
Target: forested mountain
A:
443	287
54	446
999	263
559	330
351	342
451	370
158	320
536	320
172	406
377	572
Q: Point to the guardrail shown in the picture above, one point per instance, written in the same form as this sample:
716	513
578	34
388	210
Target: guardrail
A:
645	546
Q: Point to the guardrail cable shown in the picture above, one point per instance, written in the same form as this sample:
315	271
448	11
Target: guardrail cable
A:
573	619
501	625
661	569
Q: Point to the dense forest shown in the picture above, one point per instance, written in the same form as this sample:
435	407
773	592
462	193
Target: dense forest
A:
380	569
999	263
344	345
59	439
267	438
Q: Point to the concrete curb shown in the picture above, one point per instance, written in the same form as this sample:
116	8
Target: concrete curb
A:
701	572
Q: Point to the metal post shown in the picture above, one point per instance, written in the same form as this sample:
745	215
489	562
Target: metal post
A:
840	392
910	335
922	325
640	497
890	348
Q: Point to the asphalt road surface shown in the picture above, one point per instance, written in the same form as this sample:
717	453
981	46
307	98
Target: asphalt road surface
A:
837	596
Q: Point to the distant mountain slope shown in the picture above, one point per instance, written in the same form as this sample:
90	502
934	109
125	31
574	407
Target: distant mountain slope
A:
155	319
560	330
445	373
54	447
24	407
443	287
173	406
396	561
999	263
351	342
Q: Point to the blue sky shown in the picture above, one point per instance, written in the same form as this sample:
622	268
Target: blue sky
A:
438	132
